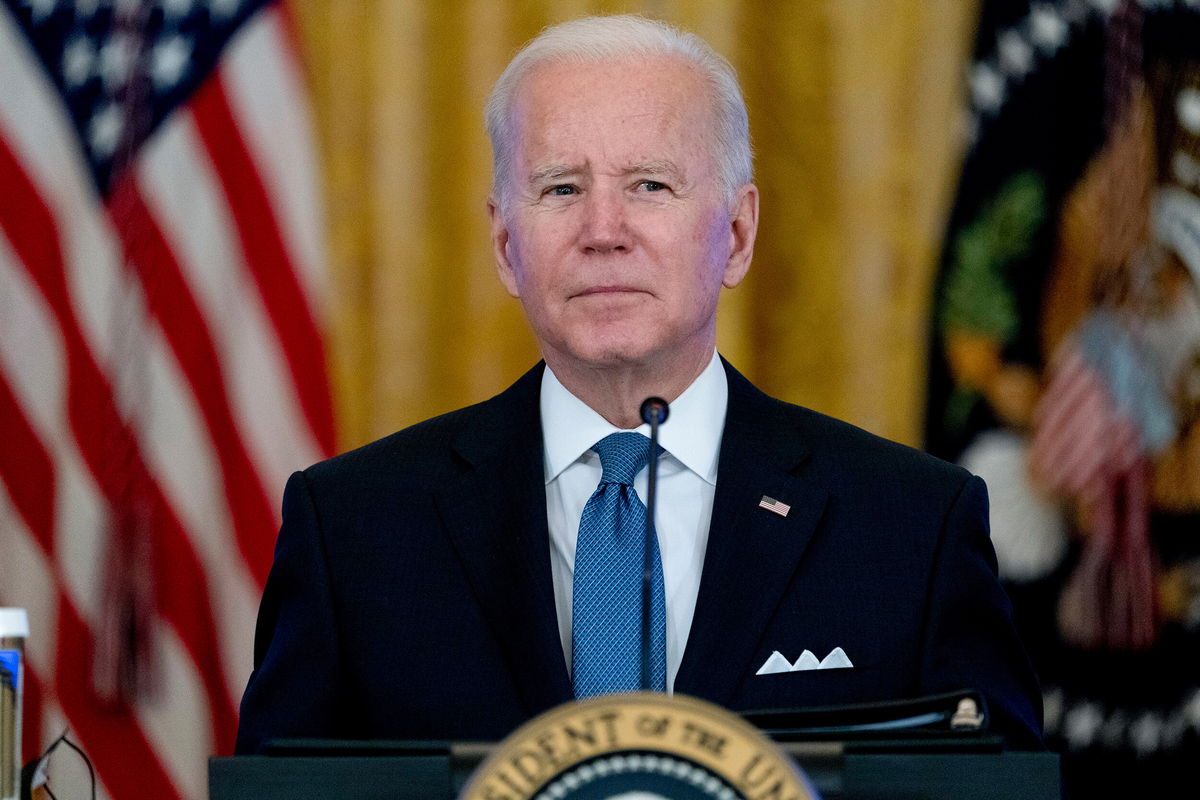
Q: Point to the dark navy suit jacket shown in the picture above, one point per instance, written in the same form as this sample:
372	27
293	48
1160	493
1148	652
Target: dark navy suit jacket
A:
411	595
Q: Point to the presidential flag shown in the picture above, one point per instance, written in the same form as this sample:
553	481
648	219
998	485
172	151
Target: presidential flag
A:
162	368
1064	352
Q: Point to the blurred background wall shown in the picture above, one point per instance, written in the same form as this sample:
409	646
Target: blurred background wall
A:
855	111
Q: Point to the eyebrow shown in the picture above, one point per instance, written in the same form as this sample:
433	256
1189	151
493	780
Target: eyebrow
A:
556	171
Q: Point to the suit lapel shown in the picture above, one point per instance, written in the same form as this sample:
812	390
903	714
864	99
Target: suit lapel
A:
752	552
495	514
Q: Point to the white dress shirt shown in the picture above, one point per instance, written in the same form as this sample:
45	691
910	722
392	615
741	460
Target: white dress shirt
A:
687	483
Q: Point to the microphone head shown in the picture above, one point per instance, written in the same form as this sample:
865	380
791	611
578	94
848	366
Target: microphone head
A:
655	410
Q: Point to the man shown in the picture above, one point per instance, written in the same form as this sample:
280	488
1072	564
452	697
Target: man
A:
440	583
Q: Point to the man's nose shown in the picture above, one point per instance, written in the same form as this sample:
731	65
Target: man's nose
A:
605	225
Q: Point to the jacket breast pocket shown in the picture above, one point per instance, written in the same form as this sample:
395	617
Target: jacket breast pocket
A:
813	687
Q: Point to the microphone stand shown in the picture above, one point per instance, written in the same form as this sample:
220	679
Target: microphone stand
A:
654	412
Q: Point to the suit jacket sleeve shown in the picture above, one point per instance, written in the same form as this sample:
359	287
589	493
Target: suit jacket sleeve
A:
295	688
970	638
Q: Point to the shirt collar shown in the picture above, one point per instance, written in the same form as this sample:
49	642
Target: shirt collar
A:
691	434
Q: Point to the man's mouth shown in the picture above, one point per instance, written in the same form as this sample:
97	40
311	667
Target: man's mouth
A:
602	290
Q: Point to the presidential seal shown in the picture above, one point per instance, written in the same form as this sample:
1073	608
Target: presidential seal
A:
638	746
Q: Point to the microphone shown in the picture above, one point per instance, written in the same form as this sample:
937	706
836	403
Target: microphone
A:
654	412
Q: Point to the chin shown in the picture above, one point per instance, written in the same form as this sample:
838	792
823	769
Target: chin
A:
600	341
602	352
602	359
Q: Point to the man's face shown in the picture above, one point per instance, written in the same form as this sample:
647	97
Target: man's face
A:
615	233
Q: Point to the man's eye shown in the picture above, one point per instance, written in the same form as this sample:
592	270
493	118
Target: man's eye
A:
563	190
652	186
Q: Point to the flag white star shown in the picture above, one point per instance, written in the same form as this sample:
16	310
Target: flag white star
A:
1016	54
1082	723
169	61
1146	733
987	87
1047	28
79	61
104	131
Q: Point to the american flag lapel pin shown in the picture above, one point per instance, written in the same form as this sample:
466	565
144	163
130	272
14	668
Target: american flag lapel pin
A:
774	506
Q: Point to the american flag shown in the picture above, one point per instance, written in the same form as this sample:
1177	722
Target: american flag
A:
771	504
161	363
1091	447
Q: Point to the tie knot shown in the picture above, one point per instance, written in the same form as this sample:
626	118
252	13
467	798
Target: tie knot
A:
622	456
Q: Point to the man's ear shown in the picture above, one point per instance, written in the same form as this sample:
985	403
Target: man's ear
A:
500	240
743	227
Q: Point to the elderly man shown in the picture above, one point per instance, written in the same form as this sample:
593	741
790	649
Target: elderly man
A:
458	577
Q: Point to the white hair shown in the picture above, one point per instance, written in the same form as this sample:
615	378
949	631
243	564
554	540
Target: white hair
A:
609	38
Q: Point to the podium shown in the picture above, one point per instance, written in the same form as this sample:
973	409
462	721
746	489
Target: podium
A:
928	748
437	771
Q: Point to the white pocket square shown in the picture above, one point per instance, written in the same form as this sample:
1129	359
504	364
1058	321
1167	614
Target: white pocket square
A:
837	659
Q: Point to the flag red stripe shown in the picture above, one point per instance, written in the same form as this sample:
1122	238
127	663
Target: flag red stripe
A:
38	512
169	299
26	468
111	735
267	257
28	473
180	587
32	719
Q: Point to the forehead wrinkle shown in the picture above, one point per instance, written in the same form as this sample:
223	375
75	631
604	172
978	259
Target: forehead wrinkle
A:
654	167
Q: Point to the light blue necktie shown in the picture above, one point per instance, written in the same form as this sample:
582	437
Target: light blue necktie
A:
606	607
